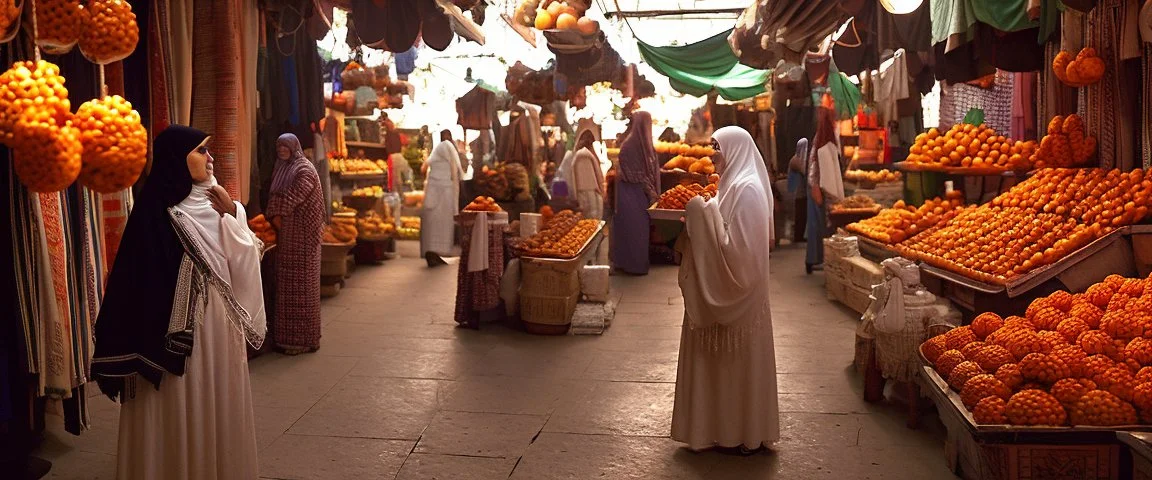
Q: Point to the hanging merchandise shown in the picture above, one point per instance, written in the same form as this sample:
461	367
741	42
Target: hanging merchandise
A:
48	157
1086	68
436	29
845	93
10	11
110	32
406	62
58	24
29	84
115	144
704	66
771	30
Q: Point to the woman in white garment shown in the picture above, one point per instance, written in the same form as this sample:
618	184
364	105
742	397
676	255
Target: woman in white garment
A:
586	177
441	201
726	377
183	298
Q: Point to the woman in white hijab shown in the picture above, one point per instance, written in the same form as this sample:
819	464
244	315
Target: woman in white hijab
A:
726	377
441	201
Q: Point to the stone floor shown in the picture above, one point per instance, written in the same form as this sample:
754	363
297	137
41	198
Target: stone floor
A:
398	392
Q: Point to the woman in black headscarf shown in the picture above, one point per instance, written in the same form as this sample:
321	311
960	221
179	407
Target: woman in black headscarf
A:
183	295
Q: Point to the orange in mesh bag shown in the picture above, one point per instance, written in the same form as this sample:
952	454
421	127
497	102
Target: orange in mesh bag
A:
110	31
29	84
115	144
58	24
48	157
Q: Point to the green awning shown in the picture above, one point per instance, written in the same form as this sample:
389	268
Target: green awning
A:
705	66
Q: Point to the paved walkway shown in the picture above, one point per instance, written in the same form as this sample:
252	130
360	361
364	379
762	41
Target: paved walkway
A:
397	392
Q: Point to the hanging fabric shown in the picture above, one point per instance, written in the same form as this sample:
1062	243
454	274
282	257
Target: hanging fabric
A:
704	66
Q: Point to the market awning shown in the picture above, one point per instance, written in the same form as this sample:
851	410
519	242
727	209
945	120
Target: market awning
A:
704	66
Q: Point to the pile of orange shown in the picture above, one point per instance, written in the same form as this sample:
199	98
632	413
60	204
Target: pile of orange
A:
110	32
58	24
1096	379
341	230
691	164
969	146
903	221
1082	70
562	236
680	148
483	204
48	156
26	84
115	144
874	176
676	198
1035	223
263	229
1066	144
558	14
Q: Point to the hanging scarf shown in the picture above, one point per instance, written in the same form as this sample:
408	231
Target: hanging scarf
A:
286	171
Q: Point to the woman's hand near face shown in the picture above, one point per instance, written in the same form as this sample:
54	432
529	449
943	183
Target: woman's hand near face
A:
221	201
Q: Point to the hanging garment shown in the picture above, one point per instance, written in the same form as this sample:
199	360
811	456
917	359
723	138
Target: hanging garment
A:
726	392
770	31
441	201
216	103
911	31
707	65
952	23
1023	106
855	51
891	86
474	109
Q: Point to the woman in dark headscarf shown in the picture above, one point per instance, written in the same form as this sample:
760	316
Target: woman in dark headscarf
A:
183	296
296	208
636	189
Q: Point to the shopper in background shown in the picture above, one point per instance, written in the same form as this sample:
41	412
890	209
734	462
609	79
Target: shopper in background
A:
797	187
726	376
586	176
636	189
441	201
182	299
296	209
825	186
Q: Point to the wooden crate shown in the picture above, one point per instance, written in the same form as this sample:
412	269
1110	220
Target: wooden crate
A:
843	291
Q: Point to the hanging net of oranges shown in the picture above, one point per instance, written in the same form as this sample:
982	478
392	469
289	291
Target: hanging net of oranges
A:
58	24
115	144
29	84
10	18
110	32
47	158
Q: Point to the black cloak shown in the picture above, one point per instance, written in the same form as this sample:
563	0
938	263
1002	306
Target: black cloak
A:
132	327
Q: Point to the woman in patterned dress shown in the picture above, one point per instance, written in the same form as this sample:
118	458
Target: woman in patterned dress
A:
296	209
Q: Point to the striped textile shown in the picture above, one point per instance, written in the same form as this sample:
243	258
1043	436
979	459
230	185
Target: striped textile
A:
57	376
215	87
25	245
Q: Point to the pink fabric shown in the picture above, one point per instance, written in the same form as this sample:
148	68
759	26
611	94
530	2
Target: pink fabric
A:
1023	108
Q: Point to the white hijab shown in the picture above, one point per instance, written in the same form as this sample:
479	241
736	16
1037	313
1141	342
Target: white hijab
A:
232	251
724	275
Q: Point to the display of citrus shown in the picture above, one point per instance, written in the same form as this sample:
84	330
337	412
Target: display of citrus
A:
115	144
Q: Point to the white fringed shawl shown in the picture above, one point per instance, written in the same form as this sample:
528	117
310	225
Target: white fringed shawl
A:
724	273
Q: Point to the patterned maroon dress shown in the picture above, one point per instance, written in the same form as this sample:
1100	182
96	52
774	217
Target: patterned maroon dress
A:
301	212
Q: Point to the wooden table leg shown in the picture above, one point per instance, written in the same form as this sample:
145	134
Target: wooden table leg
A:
913	390
873	380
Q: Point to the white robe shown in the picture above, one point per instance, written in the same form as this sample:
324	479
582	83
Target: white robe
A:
201	426
726	376
441	200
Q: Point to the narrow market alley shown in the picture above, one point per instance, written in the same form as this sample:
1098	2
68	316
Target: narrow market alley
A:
396	391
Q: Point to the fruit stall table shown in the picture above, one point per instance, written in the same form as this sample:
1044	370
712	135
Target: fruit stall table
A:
478	292
550	288
1008	452
1125	251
